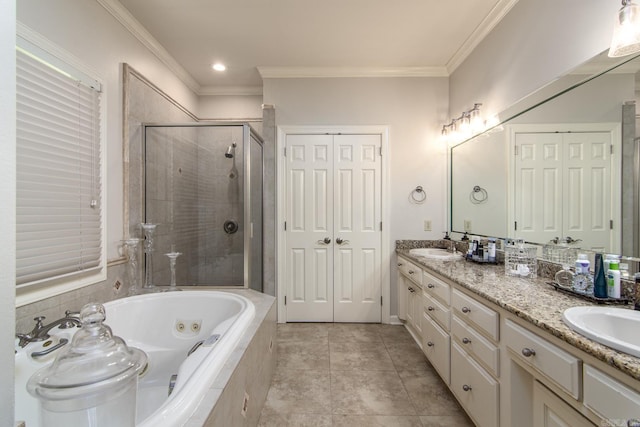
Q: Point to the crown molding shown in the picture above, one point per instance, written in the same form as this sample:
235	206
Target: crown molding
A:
336	72
231	90
127	20
488	23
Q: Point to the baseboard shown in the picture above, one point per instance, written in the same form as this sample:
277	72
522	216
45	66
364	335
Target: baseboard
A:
394	320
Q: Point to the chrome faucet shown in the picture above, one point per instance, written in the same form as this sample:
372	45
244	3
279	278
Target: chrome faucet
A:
40	332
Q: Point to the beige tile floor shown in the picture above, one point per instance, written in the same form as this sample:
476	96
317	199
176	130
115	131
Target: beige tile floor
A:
355	375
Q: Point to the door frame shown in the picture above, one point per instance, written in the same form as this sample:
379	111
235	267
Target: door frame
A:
385	267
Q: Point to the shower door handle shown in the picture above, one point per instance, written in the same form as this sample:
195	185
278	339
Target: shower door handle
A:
325	241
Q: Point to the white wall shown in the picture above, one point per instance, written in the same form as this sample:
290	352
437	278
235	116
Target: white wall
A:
7	206
89	32
230	107
413	108
538	41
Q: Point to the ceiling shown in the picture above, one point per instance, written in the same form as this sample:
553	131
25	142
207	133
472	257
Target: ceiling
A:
289	38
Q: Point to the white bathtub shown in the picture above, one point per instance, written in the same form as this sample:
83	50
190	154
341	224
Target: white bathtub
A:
166	326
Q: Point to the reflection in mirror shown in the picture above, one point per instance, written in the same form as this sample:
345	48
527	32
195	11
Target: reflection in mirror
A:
565	169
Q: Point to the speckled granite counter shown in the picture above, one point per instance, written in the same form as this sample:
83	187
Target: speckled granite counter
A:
531	300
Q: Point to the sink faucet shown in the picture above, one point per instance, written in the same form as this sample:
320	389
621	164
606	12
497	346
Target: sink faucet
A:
40	332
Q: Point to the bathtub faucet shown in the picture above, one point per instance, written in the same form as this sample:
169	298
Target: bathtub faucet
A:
40	332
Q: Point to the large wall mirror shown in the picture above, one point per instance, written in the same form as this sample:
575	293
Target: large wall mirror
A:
562	166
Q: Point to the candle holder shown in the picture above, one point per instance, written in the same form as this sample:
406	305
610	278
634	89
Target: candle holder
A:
131	247
173	256
149	232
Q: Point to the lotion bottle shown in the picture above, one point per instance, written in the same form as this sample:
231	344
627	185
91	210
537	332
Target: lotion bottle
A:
613	279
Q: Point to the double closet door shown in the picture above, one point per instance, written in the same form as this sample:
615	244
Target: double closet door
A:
333	228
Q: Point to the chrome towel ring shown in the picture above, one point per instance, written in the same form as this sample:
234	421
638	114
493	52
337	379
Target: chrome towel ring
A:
418	195
478	195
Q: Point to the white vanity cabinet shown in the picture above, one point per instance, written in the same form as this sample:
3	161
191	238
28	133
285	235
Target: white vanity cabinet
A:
551	411
609	398
475	358
436	324
410	296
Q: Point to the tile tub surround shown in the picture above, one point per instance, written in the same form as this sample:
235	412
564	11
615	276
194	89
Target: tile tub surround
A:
529	299
356	375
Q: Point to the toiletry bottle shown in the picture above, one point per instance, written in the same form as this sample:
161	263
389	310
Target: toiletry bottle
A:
492	250
613	279
600	278
582	281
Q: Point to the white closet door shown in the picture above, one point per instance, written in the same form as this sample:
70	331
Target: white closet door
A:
357	207
333	236
309	207
538	186
587	186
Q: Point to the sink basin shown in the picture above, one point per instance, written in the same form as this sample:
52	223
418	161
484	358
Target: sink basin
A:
436	253
614	327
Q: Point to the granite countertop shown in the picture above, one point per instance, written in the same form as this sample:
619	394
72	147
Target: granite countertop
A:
530	299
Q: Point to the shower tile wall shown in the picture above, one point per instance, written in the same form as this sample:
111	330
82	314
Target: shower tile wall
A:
192	189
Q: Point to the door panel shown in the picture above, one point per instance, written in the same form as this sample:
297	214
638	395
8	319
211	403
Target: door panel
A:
309	221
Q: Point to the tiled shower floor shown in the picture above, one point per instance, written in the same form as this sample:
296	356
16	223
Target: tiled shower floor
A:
355	375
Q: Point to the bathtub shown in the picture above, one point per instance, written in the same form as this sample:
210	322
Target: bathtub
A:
166	326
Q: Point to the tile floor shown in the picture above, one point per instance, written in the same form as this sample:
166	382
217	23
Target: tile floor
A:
355	375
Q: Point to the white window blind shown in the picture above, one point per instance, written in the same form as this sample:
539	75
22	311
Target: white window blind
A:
59	208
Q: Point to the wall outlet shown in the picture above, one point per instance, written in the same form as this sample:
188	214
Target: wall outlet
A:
427	225
467	225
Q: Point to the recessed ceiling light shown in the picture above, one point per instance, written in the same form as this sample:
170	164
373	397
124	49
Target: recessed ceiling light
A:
219	67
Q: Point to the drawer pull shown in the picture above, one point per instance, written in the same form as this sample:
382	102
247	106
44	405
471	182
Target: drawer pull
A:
430	344
528	352
466	340
400	264
431	286
411	290
411	271
466	310
633	422
430	308
466	388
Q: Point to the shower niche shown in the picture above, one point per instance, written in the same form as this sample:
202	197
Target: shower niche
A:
203	187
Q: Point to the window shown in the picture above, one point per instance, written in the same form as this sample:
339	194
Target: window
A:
59	203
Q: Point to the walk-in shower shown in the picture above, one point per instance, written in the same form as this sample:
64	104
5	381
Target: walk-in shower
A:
203	186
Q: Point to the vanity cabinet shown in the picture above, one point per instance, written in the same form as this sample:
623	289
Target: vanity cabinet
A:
551	411
476	390
410	296
609	398
436	324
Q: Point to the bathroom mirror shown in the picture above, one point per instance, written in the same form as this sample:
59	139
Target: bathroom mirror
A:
564	163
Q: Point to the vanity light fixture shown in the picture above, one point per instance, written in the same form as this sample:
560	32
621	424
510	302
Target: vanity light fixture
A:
626	30
467	125
218	66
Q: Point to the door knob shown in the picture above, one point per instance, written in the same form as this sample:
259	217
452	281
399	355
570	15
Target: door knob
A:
341	242
326	241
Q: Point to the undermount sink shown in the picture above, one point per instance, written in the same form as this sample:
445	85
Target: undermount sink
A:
614	327
436	253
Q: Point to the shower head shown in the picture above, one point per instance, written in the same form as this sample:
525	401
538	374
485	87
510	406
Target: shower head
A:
231	151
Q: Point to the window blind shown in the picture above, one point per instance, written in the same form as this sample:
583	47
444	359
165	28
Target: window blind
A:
59	209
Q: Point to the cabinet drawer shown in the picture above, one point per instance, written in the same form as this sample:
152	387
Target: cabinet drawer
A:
551	411
487	354
476	390
410	270
556	364
437	311
437	288
476	313
609	398
436	346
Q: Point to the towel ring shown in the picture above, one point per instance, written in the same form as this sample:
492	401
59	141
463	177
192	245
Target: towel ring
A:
418	195
478	195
